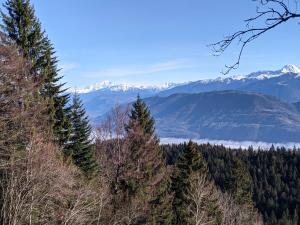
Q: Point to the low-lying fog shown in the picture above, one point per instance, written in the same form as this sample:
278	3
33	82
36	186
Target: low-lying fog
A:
232	144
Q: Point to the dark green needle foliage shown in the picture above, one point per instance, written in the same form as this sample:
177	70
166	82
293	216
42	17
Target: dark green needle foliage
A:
241	183
140	115
24	29
146	157
189	162
272	178
80	148
53	91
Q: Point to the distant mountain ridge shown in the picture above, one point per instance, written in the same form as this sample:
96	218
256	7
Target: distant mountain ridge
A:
261	106
99	102
226	115
98	99
283	84
260	75
108	85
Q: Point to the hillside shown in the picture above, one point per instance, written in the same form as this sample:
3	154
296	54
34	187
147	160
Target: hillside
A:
226	115
99	102
100	98
284	84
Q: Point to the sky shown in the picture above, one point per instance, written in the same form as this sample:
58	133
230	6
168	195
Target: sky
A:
151	42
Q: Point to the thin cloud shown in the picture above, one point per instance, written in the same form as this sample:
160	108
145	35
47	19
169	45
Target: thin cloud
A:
67	67
170	65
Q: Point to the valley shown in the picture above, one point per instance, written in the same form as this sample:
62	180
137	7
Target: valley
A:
260	107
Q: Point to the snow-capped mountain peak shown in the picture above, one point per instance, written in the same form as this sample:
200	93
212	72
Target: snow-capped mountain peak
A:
94	87
121	87
260	75
267	74
290	69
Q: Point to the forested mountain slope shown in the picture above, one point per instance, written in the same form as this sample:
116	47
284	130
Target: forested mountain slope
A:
226	115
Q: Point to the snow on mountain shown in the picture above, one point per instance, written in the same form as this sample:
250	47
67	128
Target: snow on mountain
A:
283	84
290	69
261	75
94	87
122	87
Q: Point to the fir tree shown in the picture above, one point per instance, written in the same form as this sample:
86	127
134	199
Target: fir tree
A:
241	186
62	120
140	115
189	163
161	204
80	148
23	28
58	110
146	179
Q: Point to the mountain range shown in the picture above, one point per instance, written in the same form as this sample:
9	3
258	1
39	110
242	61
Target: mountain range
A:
192	116
226	115
283	84
100	98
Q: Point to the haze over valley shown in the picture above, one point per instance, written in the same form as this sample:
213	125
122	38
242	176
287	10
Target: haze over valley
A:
260	107
156	112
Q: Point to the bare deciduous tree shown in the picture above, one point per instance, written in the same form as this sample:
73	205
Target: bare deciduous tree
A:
36	185
131	161
111	149
269	15
203	194
41	189
235	214
210	205
17	107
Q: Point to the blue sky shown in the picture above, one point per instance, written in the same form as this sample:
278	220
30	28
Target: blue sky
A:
156	41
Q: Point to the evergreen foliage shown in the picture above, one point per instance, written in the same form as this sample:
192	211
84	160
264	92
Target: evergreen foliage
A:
241	183
23	28
268	180
80	148
161	204
147	177
189	163
271	178
140	115
58	109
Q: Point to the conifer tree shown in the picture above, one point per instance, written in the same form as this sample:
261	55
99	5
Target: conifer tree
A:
80	148
241	186
23	28
189	163
58	110
161	204
146	179
140	115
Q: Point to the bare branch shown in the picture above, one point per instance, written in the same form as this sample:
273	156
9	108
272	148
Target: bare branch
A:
270	14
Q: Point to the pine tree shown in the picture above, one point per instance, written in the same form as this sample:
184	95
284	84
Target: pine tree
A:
140	115
58	110
161	204
24	29
146	178
241	186
80	148
62	120
189	163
